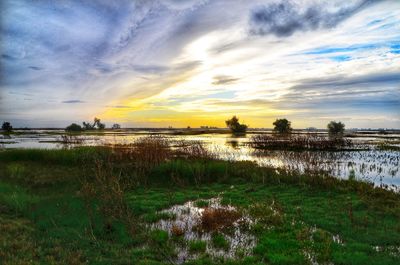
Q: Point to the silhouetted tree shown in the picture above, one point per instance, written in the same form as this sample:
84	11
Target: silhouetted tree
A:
335	129
87	126
99	125
116	126
282	126
235	126
74	128
96	124
6	126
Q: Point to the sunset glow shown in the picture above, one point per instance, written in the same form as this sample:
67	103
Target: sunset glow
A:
193	63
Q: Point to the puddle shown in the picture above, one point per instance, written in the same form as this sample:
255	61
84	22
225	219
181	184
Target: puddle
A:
192	225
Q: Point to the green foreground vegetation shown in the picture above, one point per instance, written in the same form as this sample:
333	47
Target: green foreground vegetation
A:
94	206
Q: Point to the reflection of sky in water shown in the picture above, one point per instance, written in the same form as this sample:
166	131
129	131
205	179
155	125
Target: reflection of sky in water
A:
188	220
375	166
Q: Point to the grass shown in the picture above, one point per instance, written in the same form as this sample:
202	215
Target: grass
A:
197	246
300	142
219	241
60	207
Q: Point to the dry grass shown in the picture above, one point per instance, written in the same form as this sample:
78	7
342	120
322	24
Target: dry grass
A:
177	231
299	142
193	150
214	219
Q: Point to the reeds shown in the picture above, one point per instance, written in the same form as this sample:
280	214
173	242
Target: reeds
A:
214	219
299	142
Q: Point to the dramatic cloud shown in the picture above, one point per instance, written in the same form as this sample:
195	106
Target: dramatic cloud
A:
285	18
190	63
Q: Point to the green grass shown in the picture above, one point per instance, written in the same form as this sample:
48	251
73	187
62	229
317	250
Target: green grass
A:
45	219
219	241
197	246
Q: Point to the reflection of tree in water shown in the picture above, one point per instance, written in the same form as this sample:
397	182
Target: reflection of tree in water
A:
233	143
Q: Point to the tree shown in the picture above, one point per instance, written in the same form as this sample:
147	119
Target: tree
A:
6	126
116	126
96	124
74	128
87	126
235	126
99	125
282	126
335	129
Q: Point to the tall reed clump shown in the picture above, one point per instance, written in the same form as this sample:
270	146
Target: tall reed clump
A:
103	194
193	150
299	142
139	158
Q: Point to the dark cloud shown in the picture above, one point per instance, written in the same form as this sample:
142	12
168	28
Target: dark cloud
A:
7	57
391	78
223	80
35	68
73	101
374	91
150	69
285	18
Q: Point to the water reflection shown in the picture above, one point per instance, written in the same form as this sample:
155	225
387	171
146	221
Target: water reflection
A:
379	167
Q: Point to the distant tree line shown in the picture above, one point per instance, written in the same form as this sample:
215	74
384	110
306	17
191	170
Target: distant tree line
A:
283	127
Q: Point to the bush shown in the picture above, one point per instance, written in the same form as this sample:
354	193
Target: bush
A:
335	129
282	126
235	126
6	126
74	128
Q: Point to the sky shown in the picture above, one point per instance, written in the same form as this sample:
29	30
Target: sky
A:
198	62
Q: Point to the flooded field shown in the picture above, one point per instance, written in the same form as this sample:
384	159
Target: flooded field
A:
367	162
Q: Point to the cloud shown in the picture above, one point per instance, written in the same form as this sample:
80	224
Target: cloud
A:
224	80
285	18
341	81
73	101
37	68
181	56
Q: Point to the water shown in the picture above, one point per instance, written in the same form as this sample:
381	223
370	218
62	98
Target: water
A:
373	165
188	220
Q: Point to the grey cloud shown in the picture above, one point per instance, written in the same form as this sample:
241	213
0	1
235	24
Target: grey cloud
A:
7	57
223	80
392	78
73	101
119	107
285	18
35	68
150	69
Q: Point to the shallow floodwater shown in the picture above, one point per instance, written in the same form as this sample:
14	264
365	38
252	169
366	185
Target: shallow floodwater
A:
373	165
188	220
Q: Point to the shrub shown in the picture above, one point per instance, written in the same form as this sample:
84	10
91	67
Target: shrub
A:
6	126
282	127
234	125
116	126
73	128
335	129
